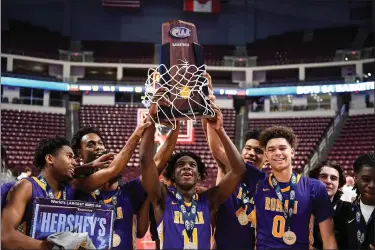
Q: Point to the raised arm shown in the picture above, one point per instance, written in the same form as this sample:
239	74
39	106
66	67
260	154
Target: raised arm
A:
230	181
150	174
11	217
217	148
99	178
214	142
162	156
143	219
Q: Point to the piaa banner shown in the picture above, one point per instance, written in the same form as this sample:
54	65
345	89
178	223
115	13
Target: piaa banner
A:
51	216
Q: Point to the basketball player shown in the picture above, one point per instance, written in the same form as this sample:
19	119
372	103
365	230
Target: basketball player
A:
233	229
332	176
357	229
56	159
285	201
127	198
183	217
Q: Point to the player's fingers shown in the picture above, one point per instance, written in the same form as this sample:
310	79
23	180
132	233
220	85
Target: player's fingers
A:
146	124
107	156
106	164
144	120
164	102
209	79
212	98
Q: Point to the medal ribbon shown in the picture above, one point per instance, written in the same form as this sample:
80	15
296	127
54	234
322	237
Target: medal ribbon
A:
188	217
100	199
360	227
49	189
292	197
245	195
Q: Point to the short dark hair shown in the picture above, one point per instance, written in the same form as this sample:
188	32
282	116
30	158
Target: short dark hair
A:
278	132
27	169
171	165
364	160
252	134
48	146
75	143
315	172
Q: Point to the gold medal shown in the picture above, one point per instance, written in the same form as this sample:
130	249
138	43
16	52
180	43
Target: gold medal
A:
190	246
289	238
119	213
116	240
242	218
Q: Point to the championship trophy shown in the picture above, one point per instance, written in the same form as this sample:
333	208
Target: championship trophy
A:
180	73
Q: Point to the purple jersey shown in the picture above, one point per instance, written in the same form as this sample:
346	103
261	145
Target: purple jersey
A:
311	201
4	192
229	233
171	229
130	198
39	191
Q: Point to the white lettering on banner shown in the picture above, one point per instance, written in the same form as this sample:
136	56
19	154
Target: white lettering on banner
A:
56	222
231	92
327	89
337	88
126	89
308	90
85	88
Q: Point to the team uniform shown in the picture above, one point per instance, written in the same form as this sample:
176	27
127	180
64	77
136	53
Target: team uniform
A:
275	228
233	229
172	227
127	200
4	192
41	189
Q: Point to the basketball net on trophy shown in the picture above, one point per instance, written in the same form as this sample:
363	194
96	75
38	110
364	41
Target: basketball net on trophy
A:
186	82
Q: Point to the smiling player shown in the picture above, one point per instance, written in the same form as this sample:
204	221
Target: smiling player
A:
285	201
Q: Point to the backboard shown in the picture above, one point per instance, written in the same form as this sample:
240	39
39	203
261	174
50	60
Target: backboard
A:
186	135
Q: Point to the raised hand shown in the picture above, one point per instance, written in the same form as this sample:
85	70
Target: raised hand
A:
216	122
210	96
103	161
142	126
160	98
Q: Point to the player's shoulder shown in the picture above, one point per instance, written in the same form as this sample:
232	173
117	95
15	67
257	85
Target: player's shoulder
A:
130	183
312	183
23	187
7	185
315	187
